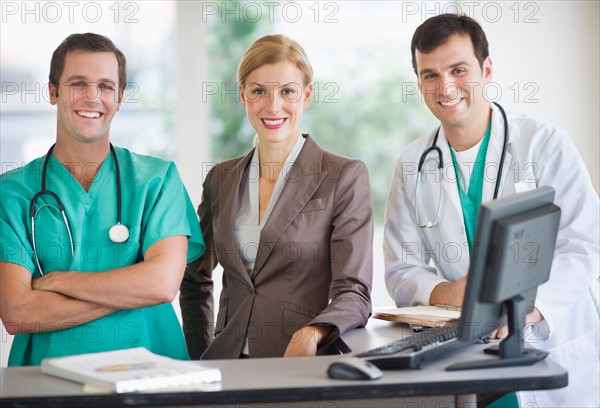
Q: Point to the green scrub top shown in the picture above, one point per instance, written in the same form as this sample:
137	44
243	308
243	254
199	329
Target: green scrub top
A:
470	203
471	200
155	205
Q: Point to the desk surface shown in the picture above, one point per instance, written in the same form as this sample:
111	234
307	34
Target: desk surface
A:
298	379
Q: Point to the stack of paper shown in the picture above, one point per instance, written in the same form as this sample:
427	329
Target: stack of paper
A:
424	316
128	370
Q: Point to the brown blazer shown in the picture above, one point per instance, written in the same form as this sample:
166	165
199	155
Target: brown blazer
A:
314	263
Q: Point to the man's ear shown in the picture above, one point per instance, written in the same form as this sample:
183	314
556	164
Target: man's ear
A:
120	101
53	91
488	69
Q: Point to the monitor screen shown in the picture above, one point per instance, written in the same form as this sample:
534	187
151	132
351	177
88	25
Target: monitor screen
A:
512	255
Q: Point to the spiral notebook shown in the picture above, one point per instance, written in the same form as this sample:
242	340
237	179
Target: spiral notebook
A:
129	370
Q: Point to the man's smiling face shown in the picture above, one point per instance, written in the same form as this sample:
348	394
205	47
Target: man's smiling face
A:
88	96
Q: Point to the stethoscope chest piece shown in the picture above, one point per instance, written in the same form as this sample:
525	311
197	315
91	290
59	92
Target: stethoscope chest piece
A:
118	233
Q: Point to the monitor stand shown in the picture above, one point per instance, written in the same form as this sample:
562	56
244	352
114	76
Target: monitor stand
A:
511	350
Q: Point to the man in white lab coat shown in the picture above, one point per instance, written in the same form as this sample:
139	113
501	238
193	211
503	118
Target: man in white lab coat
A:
451	60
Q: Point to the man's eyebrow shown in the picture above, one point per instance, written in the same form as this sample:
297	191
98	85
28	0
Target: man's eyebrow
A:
83	78
451	66
458	64
75	78
426	71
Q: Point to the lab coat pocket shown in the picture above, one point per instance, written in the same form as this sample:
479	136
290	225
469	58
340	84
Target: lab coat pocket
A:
221	316
523	186
295	317
580	357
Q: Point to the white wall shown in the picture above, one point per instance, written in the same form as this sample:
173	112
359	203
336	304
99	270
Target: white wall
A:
192	117
557	58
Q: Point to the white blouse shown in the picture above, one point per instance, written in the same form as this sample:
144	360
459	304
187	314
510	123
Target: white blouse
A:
247	228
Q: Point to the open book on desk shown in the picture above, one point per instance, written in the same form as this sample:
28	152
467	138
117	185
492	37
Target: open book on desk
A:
420	317
135	369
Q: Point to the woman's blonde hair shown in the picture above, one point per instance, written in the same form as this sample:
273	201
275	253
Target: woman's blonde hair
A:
272	49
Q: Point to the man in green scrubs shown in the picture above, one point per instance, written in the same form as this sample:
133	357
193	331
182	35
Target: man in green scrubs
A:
75	290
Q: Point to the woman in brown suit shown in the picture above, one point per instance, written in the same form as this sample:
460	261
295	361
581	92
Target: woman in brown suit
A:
290	223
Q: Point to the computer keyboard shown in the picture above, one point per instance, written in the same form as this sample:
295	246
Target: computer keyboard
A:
416	350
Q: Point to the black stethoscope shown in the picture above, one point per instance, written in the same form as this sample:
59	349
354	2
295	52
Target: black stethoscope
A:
117	233
430	224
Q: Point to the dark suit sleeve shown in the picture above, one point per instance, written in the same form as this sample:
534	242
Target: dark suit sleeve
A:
351	253
196	292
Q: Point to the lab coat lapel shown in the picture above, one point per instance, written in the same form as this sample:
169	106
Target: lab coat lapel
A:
449	176
492	162
451	224
228	199
295	194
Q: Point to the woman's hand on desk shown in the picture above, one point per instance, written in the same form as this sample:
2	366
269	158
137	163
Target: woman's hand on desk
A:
304	342
532	318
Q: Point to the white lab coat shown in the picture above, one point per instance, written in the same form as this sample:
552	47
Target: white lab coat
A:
538	154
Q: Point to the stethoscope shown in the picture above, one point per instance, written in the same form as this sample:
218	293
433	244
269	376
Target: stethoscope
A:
117	233
434	147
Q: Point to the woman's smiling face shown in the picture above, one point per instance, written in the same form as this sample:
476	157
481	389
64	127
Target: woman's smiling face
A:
275	98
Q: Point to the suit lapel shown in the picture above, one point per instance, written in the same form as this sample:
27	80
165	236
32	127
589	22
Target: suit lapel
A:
296	193
228	200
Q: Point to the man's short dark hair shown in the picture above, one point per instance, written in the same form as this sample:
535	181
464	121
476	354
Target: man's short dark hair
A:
87	42
435	31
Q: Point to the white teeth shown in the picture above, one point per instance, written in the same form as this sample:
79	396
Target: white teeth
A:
273	122
454	102
92	115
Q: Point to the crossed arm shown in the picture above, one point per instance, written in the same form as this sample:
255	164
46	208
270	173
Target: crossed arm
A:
70	298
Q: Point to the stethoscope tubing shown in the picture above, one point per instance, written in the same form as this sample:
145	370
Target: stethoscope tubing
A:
434	147
44	191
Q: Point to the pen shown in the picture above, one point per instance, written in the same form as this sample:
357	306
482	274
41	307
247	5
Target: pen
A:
448	307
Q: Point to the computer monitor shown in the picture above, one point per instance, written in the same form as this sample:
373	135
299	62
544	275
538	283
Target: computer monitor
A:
512	255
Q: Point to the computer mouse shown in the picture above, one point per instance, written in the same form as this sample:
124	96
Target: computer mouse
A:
353	368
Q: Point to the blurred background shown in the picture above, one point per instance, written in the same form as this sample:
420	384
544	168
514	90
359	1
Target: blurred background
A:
182	103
